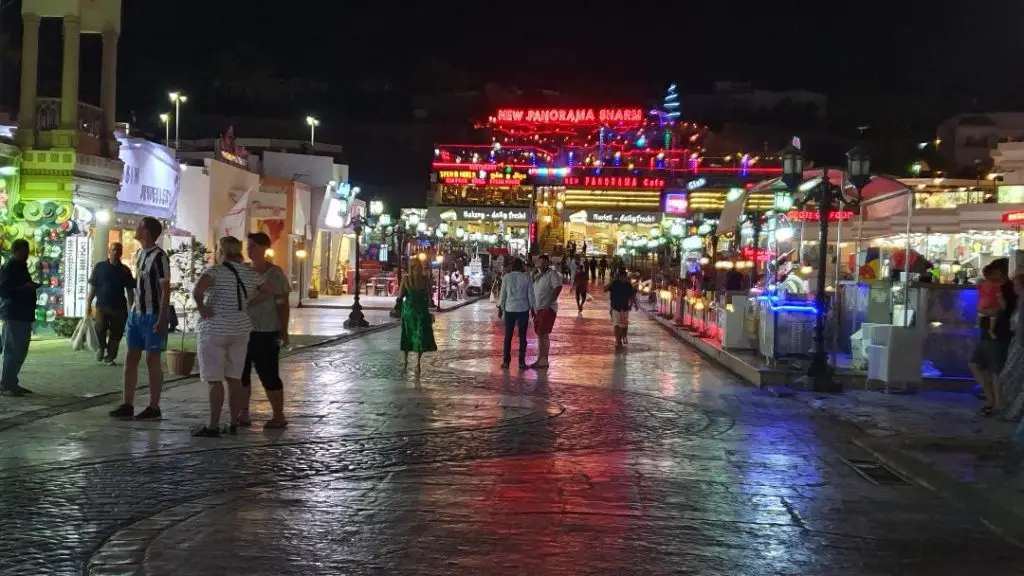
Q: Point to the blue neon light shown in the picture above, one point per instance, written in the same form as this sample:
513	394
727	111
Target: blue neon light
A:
773	305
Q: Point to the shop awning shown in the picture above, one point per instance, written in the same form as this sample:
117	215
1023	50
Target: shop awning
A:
252	204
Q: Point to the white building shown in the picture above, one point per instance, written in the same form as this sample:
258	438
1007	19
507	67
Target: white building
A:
968	140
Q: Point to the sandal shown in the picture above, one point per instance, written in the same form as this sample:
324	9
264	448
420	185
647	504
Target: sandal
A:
986	411
206	432
275	425
245	423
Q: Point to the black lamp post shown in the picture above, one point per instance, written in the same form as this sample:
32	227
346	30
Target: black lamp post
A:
356	318
819	374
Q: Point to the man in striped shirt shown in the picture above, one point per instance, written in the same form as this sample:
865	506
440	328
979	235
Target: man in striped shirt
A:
146	329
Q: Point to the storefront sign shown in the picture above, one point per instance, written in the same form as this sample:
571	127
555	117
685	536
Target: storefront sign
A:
605	217
480	178
676	203
494	215
760	255
1014	217
150	178
614	182
77	266
813	216
696	183
570	116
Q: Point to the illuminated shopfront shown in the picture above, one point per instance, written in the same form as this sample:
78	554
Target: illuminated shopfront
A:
334	246
499	227
482	185
149	187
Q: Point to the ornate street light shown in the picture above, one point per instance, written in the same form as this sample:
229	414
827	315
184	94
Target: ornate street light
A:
821	190
356	318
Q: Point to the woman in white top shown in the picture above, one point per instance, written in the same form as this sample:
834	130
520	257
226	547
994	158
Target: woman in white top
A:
222	295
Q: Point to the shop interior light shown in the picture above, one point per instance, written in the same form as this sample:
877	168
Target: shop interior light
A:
460	232
421	227
300	254
806	270
422	256
704	261
385	220
103	217
784	234
440	258
269	252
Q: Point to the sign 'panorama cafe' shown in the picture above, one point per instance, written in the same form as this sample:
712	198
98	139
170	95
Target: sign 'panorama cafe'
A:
570	115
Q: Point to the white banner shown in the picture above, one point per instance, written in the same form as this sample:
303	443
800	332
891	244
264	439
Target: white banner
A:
77	267
151	175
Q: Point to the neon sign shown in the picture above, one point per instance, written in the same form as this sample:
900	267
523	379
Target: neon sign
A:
614	182
813	216
1014	217
570	116
676	203
759	255
480	178
698	183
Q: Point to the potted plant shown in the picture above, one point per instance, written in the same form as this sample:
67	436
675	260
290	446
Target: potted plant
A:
314	291
189	259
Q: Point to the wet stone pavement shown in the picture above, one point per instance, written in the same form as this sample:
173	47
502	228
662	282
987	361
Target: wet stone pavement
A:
649	462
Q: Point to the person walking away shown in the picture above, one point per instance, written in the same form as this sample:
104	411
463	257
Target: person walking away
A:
113	287
222	296
1011	379
417	323
621	296
574	267
18	311
990	354
515	304
602	269
146	329
579	284
593	270
268	312
547	285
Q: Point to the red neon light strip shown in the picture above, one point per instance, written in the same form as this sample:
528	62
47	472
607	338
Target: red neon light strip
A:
491	167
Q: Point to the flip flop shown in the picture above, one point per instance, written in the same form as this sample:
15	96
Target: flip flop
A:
275	425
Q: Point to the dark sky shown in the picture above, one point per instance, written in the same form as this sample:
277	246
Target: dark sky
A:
943	49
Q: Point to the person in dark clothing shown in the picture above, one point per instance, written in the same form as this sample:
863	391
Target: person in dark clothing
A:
996	333
602	269
734	280
593	270
113	286
621	295
18	310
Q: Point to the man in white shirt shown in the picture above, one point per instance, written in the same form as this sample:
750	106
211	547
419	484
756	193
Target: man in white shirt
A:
515	304
546	287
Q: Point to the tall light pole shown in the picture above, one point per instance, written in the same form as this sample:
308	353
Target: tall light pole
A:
313	123
356	318
178	99
166	119
819	374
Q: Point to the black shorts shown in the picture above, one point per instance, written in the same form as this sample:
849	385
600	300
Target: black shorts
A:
990	355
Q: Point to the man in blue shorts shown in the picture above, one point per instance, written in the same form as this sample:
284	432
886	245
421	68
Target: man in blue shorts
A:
146	330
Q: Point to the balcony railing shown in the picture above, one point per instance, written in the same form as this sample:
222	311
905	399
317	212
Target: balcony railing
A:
90	118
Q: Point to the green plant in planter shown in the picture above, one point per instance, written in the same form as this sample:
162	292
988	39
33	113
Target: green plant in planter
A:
65	326
189	259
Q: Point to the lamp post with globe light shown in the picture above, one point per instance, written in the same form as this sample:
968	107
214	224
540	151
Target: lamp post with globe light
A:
166	119
820	189
356	319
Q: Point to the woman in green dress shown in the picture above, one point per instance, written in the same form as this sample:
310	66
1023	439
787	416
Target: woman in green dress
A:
417	322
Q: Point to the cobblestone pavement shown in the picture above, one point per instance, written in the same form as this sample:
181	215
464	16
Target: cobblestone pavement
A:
64	379
648	462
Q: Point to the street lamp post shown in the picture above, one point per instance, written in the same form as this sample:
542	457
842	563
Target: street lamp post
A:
301	255
166	119
356	319
313	123
178	99
440	278
819	373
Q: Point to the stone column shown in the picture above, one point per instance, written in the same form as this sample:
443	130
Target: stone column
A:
108	89
29	75
101	240
69	78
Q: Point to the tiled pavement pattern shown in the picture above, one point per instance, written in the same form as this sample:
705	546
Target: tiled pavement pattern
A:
650	462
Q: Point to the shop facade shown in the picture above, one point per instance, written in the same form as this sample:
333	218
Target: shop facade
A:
332	261
150	184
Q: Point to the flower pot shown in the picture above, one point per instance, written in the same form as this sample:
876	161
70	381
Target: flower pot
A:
181	362
313	293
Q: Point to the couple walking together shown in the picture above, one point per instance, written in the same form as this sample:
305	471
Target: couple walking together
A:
522	297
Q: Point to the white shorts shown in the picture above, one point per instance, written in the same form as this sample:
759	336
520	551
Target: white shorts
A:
620	318
221	357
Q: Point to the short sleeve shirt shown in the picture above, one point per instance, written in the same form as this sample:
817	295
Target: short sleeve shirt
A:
264	313
544	287
228	301
111	281
151	267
